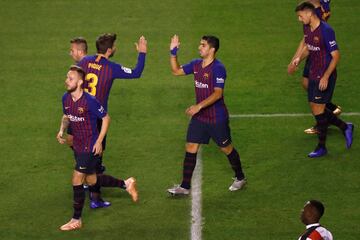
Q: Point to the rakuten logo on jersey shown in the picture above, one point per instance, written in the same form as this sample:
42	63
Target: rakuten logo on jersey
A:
312	48
75	118
201	85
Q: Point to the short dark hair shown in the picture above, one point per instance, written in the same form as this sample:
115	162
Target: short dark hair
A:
105	41
305	6
319	207
81	42
213	41
79	70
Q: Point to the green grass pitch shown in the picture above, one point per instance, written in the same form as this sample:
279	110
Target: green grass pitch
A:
147	134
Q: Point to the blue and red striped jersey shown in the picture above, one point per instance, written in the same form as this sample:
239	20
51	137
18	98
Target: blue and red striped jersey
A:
205	80
323	11
100	74
320	42
83	115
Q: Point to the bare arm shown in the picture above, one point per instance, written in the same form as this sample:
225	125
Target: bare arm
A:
216	95
295	61
97	149
325	78
63	126
304	53
299	49
175	66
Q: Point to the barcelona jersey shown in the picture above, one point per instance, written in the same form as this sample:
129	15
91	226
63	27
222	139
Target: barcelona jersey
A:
100	74
205	80
320	43
83	115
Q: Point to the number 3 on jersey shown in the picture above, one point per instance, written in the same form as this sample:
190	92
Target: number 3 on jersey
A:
92	80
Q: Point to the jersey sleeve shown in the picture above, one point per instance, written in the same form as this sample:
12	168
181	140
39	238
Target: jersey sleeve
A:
63	102
128	73
189	67
96	108
219	75
329	39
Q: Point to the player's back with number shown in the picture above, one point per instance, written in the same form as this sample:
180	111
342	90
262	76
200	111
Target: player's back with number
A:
101	72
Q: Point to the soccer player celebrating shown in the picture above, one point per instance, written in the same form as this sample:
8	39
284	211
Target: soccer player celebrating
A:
310	216
100	74
322	49
322	9
209	116
81	111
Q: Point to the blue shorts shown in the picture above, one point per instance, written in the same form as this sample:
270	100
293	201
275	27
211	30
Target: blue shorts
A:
99	167
306	68
321	97
200	132
86	162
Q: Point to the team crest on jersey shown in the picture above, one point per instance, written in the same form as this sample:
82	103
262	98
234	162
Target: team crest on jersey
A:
80	110
206	76
316	39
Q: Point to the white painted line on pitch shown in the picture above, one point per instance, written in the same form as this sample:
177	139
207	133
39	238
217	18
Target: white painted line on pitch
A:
277	115
196	218
196	198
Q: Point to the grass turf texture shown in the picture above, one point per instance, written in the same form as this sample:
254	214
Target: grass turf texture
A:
146	136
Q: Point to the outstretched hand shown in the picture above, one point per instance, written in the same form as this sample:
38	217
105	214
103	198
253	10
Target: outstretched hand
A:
141	45
175	43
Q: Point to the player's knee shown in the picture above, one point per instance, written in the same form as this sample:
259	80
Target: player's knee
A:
91	179
77	179
91	182
192	147
317	108
227	150
77	183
